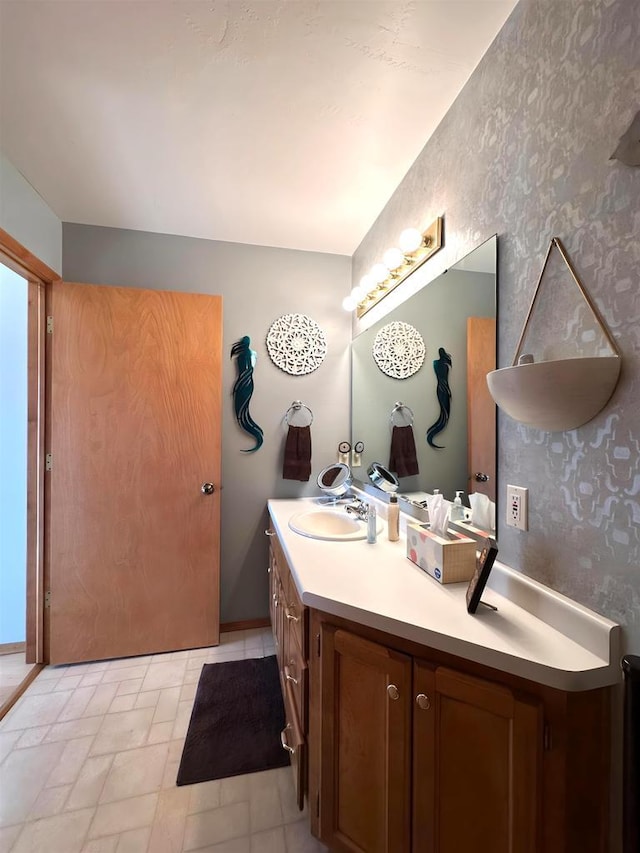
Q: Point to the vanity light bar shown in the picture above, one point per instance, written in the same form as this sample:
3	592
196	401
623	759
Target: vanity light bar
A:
430	244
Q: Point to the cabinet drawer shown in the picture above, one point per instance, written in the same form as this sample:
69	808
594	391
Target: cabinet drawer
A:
296	616
293	741
296	676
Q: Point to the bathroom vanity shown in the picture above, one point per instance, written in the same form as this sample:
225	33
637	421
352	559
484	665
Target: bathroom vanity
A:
414	727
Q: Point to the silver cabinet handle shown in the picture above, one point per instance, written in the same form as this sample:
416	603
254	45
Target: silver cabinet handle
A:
422	701
283	740
480	477
269	533
393	692
289	677
289	616
207	488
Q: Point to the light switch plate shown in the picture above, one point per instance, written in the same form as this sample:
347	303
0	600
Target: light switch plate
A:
518	507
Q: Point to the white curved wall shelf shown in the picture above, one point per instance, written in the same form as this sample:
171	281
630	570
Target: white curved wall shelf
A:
555	395
559	394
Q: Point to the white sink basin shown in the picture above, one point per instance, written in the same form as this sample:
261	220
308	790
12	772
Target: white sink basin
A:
333	524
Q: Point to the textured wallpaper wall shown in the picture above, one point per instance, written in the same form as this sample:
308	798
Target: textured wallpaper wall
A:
524	152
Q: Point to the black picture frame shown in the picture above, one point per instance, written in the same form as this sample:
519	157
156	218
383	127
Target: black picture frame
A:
483	567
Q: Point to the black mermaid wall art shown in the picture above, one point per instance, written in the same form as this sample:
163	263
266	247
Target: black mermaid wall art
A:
243	389
441	368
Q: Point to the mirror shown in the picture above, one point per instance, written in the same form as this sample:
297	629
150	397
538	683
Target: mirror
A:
335	481
456	312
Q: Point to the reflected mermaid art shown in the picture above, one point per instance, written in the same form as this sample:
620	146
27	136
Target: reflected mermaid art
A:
243	389
441	367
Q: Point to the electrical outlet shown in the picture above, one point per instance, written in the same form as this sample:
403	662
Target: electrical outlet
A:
517	507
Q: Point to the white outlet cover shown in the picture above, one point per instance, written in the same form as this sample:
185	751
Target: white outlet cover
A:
517	512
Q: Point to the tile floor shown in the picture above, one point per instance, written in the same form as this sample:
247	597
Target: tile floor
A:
89	756
12	670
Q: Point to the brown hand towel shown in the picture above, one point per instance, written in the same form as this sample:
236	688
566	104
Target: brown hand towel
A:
403	459
297	454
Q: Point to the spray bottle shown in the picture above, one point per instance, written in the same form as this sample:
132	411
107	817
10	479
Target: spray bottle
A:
457	510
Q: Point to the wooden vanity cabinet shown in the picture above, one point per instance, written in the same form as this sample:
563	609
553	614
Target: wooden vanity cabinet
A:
400	748
414	755
290	625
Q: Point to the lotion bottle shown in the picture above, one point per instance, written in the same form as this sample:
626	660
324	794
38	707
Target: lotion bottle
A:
393	519
371	524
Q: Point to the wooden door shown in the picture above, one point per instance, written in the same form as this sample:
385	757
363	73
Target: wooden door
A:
133	542
481	409
477	760
365	745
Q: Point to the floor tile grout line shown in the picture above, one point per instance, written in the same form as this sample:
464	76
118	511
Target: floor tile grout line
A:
186	678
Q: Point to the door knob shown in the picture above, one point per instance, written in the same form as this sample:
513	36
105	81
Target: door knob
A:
480	477
393	692
208	488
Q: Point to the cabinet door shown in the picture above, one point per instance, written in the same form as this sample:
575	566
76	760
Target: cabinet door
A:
365	745
477	758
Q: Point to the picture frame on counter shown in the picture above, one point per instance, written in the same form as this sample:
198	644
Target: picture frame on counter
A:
484	563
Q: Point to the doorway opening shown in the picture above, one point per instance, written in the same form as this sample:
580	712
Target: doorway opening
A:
21	478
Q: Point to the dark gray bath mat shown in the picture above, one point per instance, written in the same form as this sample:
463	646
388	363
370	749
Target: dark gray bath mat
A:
236	721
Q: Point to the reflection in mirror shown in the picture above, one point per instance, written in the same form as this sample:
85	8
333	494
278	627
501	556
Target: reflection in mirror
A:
455	312
382	478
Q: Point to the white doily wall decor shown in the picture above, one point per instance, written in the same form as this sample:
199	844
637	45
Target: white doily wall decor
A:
296	344
398	350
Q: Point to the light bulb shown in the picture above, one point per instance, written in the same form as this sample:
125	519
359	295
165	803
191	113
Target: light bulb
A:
393	258
410	240
367	283
379	273
358	292
349	303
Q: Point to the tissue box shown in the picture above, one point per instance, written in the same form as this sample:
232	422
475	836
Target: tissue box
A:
448	560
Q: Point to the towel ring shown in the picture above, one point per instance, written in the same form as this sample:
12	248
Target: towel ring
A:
400	409
293	409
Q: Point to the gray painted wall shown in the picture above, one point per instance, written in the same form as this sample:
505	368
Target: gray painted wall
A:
524	152
258	285
28	218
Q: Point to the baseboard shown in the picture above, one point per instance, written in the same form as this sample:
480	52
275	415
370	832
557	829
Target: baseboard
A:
246	625
12	648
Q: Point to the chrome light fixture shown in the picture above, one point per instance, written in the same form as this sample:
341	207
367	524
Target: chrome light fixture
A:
414	248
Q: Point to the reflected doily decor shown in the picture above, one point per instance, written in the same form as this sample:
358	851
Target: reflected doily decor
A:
398	350
296	344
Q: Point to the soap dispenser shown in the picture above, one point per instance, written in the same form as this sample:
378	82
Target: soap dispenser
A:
457	510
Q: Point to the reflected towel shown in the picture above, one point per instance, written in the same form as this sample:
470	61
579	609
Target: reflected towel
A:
297	454
403	459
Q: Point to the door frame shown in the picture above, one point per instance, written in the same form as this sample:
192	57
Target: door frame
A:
40	278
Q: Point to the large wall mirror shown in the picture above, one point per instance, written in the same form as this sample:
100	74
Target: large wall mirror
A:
455	312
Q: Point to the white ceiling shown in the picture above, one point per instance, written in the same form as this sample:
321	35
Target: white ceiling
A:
276	122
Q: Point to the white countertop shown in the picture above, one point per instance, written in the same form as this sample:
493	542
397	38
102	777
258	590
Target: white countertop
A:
565	645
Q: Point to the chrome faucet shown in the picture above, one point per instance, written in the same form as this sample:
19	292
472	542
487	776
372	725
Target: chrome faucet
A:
358	508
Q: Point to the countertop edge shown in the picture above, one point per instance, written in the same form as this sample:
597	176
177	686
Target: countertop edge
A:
566	680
